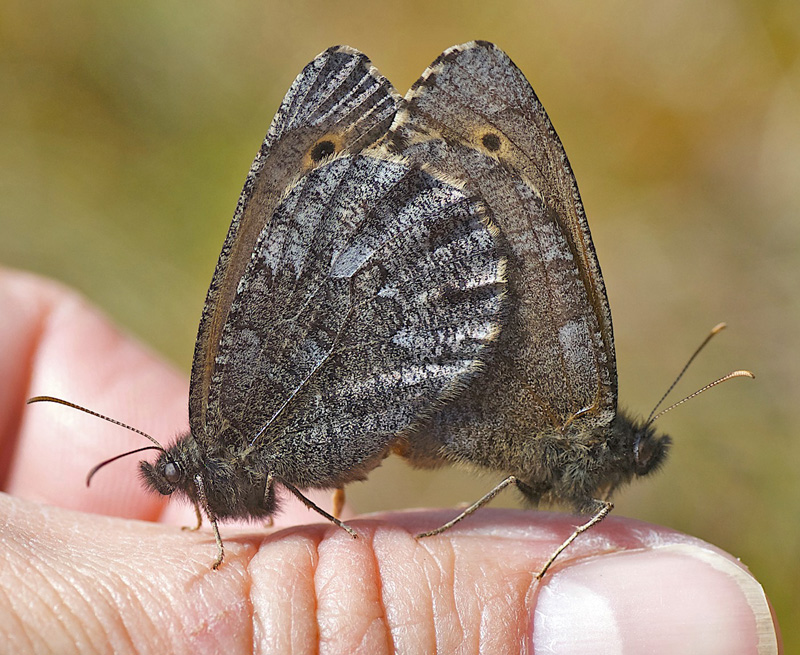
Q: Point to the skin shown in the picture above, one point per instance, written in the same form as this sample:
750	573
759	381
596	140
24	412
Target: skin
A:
73	580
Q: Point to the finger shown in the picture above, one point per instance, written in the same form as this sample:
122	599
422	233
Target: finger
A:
108	585
624	586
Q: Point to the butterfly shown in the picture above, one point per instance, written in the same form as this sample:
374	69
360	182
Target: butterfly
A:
544	410
354	294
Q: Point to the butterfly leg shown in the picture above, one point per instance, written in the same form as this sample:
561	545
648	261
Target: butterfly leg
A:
199	516
268	491
320	511
472	508
604	507
201	495
338	501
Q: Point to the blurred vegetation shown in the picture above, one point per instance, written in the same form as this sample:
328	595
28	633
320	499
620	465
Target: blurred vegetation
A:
127	130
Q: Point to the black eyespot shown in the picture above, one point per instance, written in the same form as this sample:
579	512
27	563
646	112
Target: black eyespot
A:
321	150
172	472
491	142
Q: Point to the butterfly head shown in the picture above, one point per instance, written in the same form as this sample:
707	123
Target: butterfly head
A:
618	452
169	472
224	486
649	449
634	449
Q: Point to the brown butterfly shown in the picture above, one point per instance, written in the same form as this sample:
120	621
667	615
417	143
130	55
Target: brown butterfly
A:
354	294
544	410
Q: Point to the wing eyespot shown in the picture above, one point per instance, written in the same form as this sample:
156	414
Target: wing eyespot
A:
326	146
491	141
321	150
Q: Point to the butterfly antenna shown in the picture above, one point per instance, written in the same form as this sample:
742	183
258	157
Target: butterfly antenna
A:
51	399
735	374
95	469
714	331
724	378
59	401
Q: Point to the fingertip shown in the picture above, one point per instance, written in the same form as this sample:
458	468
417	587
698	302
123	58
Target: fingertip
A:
673	598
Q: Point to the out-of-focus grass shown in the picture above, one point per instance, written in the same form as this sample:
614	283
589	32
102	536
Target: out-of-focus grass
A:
127	131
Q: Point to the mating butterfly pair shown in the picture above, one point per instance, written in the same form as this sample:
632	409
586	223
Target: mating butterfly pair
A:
408	275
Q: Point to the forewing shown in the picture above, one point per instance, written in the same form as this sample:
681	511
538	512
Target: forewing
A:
373	292
474	116
339	102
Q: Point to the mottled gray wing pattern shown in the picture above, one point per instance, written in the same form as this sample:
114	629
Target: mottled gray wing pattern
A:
339	102
373	291
474	116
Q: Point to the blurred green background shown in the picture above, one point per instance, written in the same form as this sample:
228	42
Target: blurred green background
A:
127	130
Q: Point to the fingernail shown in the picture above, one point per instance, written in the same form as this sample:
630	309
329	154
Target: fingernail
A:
673	599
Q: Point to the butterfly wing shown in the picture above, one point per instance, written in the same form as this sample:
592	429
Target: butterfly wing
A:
374	290
339	102
474	116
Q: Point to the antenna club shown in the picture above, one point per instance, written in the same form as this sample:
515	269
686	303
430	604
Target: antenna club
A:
719	327
41	399
743	374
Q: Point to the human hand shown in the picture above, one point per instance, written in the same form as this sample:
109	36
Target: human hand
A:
75	581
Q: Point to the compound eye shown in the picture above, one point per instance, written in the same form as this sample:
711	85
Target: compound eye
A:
172	472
